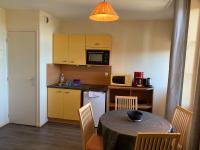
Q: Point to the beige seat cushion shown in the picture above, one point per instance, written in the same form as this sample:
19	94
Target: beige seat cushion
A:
94	143
179	147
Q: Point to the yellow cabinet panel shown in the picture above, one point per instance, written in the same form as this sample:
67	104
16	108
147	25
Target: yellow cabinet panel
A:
63	103
71	104
60	48
55	103
98	42
77	49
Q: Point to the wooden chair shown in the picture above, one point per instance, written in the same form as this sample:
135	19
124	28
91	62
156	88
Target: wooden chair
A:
126	102
91	141
157	141
180	123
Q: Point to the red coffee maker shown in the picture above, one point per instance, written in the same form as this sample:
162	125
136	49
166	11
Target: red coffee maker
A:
138	79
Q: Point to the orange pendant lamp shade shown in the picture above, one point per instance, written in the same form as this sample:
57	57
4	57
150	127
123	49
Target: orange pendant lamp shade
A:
104	12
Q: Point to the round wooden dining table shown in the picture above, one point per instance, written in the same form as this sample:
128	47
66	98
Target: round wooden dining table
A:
119	132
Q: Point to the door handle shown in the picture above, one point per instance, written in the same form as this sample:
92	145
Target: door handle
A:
67	92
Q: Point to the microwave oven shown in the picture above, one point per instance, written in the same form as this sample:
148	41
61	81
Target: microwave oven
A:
121	79
97	57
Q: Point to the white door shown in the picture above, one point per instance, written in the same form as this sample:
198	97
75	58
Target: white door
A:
22	77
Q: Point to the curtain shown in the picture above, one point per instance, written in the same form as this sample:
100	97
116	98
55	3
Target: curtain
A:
177	56
194	141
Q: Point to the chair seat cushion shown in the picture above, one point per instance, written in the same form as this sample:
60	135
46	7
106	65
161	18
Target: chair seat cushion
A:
94	143
179	147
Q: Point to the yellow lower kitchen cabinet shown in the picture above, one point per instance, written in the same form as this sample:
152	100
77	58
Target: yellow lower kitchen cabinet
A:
63	103
71	104
55	103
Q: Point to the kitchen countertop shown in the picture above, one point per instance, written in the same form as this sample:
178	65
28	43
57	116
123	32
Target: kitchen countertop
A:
83	87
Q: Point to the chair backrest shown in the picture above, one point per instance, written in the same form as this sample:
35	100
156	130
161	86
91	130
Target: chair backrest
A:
86	123
157	141
126	102
180	122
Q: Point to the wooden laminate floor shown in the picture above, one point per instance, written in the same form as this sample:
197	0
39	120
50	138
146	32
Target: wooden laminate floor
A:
52	136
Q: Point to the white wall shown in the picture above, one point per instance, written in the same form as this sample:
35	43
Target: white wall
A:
137	46
22	20
46	31
3	70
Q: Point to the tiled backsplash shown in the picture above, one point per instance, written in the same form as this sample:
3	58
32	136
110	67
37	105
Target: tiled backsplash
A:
87	74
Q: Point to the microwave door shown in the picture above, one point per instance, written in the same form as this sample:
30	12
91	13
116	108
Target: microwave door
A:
118	79
97	57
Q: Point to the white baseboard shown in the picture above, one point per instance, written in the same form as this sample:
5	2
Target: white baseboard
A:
4	123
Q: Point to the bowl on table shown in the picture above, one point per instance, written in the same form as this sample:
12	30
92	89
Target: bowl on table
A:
135	115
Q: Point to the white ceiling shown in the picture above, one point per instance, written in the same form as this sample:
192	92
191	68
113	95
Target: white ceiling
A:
80	9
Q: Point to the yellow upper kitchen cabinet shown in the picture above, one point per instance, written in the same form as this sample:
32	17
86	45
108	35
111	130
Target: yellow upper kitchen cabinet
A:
60	48
71	104
55	103
77	49
96	41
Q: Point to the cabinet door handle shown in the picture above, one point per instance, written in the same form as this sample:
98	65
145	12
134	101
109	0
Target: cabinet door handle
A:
71	61
64	61
59	91
67	92
97	44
